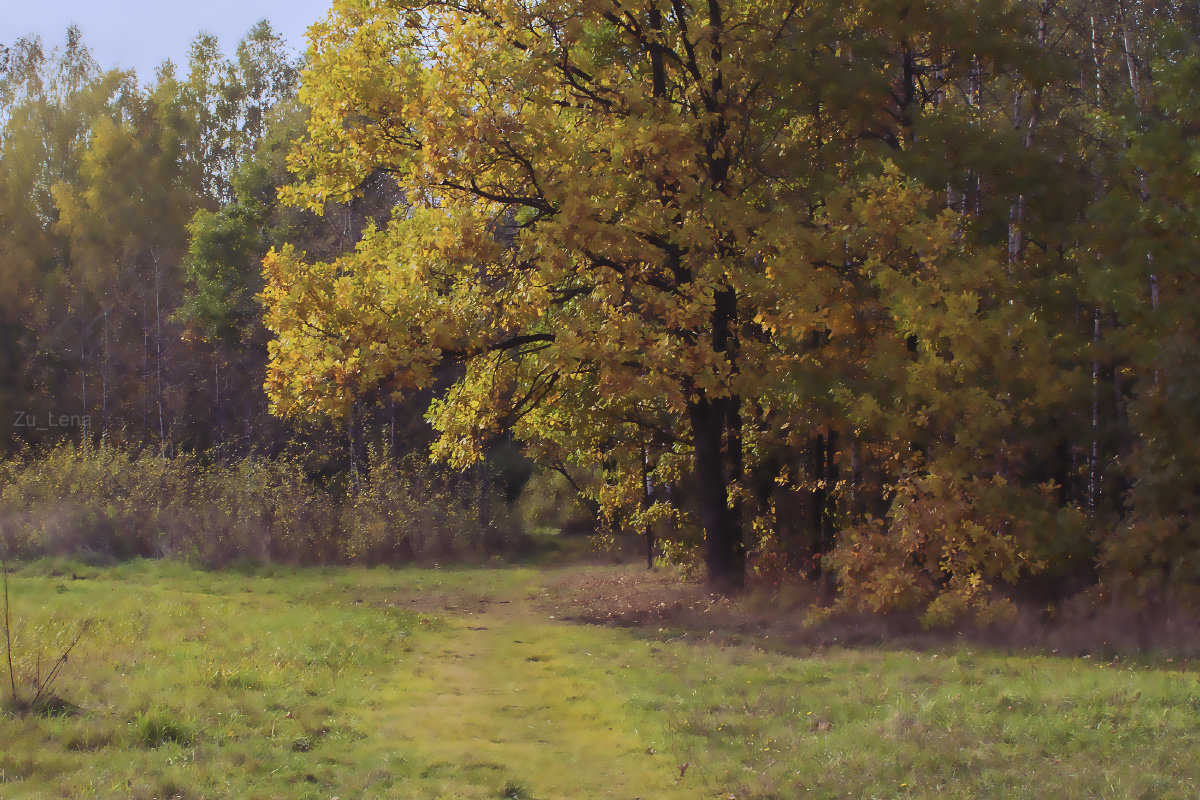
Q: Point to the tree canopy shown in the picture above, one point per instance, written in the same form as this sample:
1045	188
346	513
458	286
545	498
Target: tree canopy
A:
697	223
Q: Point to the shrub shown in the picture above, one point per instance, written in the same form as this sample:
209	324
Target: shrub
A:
411	511
945	546
105	502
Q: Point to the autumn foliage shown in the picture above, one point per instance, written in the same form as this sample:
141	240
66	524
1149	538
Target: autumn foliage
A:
897	296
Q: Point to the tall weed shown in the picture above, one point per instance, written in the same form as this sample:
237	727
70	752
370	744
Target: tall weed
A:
106	503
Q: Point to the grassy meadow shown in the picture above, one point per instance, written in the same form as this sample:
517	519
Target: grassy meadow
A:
469	683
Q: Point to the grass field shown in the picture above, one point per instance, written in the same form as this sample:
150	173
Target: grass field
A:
469	683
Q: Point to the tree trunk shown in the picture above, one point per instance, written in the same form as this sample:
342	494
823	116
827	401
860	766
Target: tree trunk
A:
724	552
648	530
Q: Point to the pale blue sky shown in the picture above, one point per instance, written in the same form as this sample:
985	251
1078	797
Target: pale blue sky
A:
140	34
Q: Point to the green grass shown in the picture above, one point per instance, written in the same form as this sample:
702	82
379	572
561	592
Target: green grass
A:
452	683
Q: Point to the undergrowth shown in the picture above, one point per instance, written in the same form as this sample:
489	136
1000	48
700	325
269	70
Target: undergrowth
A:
108	503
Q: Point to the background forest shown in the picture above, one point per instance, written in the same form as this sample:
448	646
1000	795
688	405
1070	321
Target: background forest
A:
944	356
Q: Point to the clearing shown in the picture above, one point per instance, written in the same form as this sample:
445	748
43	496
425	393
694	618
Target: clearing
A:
502	683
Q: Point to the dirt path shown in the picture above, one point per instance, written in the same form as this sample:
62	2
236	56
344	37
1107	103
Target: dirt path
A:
512	698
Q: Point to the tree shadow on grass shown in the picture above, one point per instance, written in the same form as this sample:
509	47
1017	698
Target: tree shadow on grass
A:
661	604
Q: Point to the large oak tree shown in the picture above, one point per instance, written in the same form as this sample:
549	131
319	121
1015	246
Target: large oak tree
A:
683	227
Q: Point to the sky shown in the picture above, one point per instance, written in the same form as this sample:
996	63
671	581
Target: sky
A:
140	34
